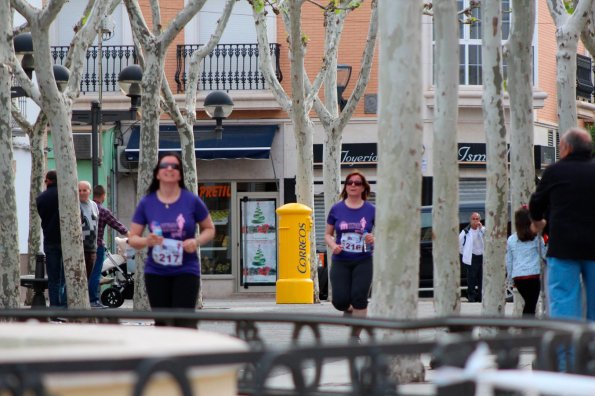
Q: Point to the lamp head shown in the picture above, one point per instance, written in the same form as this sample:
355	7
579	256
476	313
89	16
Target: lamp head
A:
23	45
23	48
218	105
129	79
61	75
343	77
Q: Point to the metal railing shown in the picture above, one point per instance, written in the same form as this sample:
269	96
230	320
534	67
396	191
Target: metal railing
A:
454	341
227	67
113	59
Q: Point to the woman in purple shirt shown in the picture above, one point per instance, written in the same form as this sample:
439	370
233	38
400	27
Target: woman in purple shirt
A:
172	268
349	235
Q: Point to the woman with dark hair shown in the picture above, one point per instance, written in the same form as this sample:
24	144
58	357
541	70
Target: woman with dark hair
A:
524	252
172	268
348	233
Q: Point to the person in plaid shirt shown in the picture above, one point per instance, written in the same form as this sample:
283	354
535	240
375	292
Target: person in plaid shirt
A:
105	218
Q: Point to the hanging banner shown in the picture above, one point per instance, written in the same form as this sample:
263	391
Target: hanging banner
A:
259	242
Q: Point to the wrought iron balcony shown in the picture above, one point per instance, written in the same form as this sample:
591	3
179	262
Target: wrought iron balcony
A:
227	67
113	59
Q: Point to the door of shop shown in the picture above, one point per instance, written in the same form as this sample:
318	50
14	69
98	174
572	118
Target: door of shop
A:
258	258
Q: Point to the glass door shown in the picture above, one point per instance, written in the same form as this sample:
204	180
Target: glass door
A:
258	241
215	257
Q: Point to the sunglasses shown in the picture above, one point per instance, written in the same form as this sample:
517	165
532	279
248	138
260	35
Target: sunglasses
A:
354	183
173	165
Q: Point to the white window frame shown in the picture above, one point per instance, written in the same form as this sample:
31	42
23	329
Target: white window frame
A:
470	40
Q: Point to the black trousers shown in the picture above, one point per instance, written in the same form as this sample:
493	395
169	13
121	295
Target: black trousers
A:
179	291
474	278
351	281
529	289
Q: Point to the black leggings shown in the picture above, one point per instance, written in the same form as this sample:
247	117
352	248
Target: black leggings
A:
351	281
529	289
179	291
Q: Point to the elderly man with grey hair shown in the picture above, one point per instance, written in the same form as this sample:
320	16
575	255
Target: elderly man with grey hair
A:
89	223
566	194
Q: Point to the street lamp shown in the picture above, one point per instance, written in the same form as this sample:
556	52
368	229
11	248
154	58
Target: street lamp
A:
343	76
129	80
218	105
23	48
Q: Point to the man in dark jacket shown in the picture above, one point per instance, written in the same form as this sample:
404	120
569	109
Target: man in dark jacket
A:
48	209
567	194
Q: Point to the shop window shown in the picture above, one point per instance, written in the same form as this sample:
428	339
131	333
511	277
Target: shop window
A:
215	257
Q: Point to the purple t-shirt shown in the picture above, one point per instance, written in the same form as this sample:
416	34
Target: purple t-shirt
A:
177	222
350	227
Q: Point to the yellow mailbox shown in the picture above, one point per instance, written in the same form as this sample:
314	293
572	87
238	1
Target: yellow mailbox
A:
294	285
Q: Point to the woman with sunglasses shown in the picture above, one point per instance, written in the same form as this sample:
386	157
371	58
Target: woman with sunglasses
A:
171	212
348	233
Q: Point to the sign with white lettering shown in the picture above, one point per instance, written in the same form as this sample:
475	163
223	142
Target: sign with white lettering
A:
353	155
474	155
365	155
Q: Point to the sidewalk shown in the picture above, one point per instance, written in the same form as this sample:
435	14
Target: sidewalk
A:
335	375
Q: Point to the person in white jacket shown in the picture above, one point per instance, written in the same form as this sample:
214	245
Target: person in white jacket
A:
471	247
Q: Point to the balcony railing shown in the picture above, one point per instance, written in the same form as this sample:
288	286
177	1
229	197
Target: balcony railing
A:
227	67
113	59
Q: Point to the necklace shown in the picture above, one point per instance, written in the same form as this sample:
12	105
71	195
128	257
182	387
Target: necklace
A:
163	200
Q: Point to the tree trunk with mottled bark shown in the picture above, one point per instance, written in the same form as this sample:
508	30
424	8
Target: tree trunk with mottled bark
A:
58	108
518	53
400	129
493	299
154	44
445	192
332	120
36	135
9	243
568	30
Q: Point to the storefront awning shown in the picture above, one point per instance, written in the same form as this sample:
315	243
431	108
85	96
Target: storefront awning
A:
238	142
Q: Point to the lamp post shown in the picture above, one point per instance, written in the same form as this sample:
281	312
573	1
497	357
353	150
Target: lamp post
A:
129	76
218	105
343	76
129	80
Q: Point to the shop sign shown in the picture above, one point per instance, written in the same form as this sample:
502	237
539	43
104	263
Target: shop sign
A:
215	191
353	155
474	155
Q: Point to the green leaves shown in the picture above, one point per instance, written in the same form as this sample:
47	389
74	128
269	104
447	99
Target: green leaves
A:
258	5
569	5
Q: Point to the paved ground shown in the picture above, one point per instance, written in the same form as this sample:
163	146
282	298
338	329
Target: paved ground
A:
335	373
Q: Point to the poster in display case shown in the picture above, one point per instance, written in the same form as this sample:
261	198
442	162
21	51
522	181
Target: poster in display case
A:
259	242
